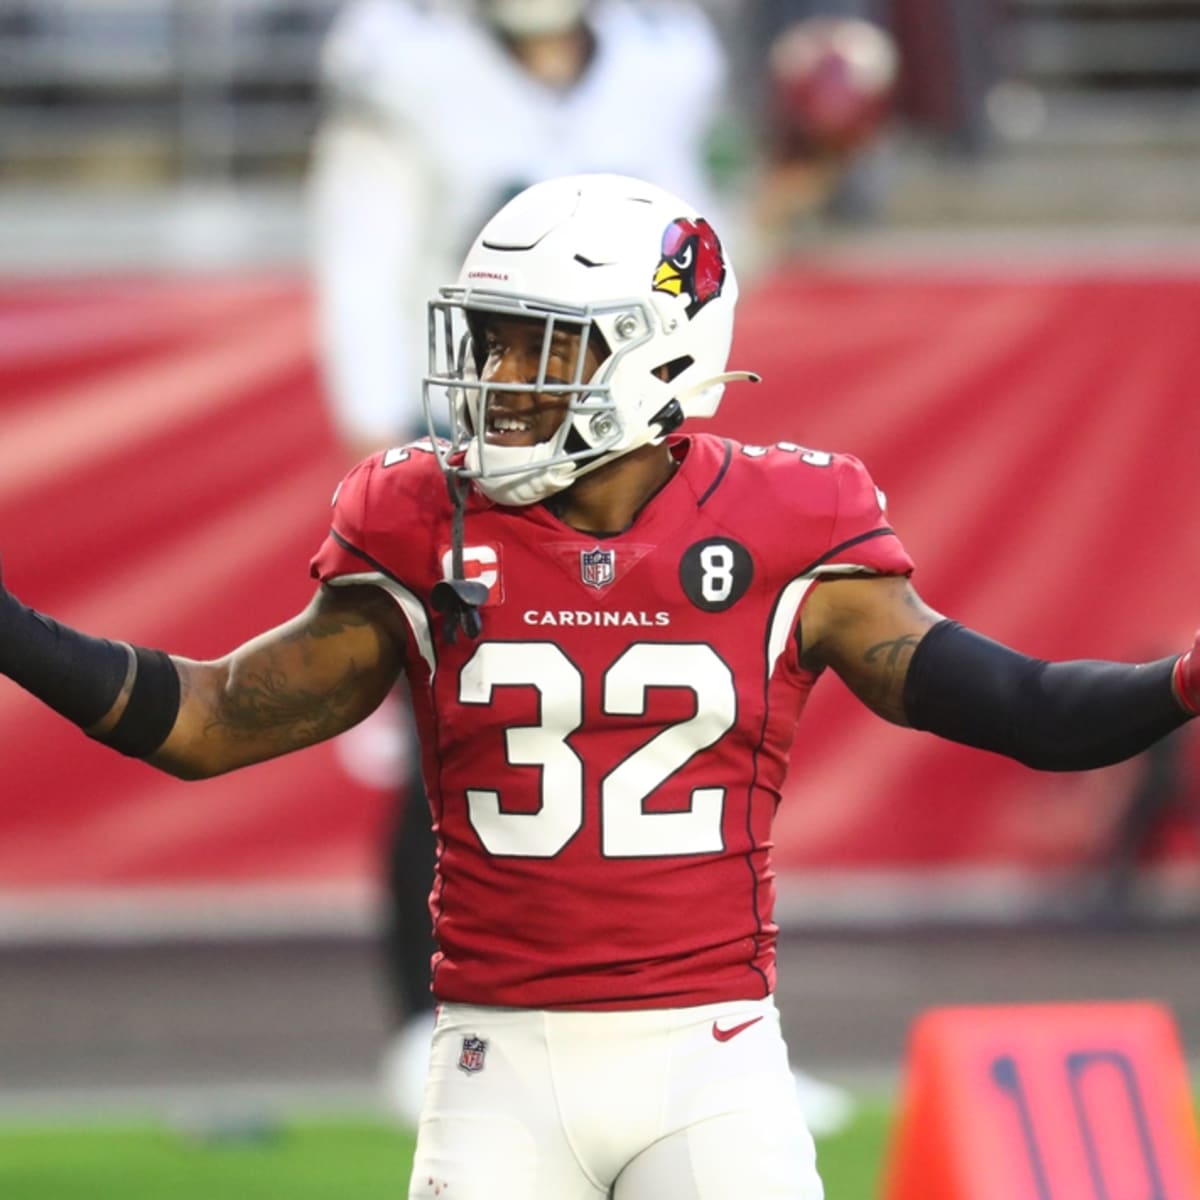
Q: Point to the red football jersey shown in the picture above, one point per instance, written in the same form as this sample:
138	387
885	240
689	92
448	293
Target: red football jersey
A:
603	763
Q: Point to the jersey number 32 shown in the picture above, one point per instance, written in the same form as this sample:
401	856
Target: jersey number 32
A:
627	829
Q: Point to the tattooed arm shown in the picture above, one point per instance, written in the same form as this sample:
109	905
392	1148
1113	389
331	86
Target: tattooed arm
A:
295	685
866	628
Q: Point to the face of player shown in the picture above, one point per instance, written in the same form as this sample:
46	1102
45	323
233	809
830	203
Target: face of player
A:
512	349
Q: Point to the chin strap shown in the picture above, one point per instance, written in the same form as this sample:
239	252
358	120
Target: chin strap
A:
459	598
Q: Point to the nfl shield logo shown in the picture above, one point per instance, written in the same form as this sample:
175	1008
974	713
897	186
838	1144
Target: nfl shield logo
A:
471	1057
597	567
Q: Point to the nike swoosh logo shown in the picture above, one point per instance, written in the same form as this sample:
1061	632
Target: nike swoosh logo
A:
723	1035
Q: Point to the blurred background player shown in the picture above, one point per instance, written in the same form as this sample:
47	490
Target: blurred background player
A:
407	164
829	87
415	93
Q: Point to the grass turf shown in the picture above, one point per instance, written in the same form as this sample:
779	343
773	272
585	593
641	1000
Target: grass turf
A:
296	1160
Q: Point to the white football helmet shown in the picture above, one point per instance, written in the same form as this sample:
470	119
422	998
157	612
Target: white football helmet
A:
532	18
596	254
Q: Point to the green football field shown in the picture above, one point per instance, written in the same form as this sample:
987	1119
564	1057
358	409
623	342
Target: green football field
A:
335	1159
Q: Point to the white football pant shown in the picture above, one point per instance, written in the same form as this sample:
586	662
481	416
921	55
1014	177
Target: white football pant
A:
668	1104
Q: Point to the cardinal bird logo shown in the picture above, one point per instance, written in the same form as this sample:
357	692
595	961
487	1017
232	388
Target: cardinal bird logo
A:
692	263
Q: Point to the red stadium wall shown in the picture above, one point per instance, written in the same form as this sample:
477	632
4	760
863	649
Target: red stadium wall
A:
166	466
165	474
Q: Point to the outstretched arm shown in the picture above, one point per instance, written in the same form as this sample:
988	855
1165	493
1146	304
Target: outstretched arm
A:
292	686
915	668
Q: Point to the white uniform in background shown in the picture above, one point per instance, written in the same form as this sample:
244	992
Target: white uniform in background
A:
433	124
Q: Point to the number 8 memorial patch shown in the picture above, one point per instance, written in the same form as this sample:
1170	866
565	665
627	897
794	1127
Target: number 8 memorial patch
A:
716	573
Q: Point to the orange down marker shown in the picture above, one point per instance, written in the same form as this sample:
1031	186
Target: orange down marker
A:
1045	1102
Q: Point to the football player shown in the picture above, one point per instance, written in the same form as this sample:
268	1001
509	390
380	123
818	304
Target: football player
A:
830	84
608	650
436	114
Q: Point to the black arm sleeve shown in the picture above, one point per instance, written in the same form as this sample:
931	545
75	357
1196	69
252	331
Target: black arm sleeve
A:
1062	716
76	675
81	677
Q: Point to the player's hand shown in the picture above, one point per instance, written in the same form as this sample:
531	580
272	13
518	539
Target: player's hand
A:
1186	678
